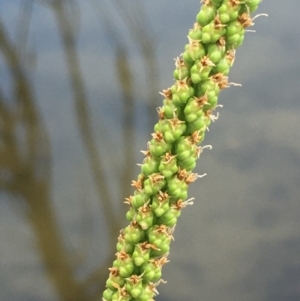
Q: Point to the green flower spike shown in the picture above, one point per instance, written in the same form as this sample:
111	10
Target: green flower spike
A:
167	170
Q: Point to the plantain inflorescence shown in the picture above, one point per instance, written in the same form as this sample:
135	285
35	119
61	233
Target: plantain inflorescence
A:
187	112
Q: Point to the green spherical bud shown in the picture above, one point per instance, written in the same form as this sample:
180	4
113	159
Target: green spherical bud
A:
195	33
114	279
216	52
229	11
177	188
150	165
182	71
193	51
181	91
126	265
130	214
194	108
141	253
201	69
134	285
147	293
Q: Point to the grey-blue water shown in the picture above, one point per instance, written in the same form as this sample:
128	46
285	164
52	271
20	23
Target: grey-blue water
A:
79	83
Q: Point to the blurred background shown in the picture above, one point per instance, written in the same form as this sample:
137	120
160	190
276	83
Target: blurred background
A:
79	83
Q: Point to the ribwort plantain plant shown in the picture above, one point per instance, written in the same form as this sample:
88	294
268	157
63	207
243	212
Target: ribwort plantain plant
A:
187	111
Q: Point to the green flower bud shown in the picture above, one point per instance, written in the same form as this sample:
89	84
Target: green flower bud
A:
147	293
107	294
182	71
154	183
200	124
216	3
213	31
216	51
145	217
193	51
193	109
134	285
123	245
159	236
133	233
181	91
169	110
114	279
141	253
168	165
158	146
225	63
138	199
177	188
201	69
130	214
121	295
172	129
150	164
207	14
126	264
229	10
160	203
152	269
195	33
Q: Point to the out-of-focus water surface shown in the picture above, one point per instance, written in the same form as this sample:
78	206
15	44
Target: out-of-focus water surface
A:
79	83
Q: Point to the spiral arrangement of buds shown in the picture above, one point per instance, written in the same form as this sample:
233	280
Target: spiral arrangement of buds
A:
187	111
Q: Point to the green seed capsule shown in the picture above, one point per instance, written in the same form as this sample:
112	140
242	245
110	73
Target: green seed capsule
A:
141	253
150	165
138	199
185	148
130	214
169	109
206	14
200	124
151	271
172	129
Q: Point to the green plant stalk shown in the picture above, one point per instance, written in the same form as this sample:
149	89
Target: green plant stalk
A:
187	111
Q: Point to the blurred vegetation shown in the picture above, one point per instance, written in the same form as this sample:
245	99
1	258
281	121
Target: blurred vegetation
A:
25	145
